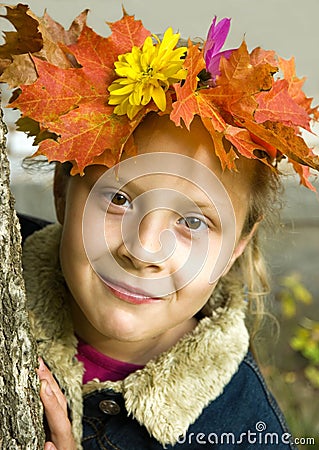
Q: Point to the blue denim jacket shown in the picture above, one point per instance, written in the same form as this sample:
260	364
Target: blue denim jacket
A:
245	416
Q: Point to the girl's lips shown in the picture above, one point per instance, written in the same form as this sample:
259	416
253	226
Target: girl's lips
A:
129	293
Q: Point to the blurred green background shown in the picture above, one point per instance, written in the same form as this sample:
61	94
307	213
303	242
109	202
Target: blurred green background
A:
289	342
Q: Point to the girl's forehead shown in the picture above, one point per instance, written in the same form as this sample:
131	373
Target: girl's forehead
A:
160	139
159	134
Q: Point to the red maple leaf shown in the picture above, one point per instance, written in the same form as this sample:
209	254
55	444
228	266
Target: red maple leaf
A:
95	130
95	52
72	103
58	91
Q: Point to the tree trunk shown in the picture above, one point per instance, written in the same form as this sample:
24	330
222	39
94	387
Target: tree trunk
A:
20	409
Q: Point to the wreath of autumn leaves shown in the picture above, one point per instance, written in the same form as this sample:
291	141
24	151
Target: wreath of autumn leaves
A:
61	78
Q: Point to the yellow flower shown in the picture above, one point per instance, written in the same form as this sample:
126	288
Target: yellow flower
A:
146	73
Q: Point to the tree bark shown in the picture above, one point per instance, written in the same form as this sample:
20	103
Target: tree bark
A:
20	408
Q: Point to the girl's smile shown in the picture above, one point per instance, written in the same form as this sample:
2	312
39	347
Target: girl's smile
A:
130	294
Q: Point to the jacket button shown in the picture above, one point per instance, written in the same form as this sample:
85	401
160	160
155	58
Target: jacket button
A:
109	407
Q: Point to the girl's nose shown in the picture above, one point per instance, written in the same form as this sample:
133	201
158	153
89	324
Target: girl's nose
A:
148	242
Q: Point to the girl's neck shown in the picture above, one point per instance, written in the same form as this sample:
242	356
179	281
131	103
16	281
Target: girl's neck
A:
136	352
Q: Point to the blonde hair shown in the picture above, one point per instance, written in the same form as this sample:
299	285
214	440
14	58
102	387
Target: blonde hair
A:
249	275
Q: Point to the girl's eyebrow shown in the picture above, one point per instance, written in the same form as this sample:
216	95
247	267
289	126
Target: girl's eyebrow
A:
206	205
123	184
208	208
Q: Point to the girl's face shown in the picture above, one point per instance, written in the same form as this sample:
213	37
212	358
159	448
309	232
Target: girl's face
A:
129	289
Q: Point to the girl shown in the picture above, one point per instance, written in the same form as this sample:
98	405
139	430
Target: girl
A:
166	164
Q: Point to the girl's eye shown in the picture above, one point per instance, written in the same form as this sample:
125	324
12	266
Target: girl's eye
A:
193	223
119	199
116	199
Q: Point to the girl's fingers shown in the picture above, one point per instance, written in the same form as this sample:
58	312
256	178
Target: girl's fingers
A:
45	374
49	446
55	407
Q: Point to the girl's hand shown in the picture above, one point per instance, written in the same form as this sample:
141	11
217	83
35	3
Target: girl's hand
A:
55	408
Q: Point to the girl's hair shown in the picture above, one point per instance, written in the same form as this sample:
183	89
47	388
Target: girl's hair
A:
249	276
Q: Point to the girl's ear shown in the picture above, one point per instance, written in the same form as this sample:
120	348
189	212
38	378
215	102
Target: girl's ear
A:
59	190
240	247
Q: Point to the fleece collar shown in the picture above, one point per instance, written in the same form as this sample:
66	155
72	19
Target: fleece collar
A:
170	392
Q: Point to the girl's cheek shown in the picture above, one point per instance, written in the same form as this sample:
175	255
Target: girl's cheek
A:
100	231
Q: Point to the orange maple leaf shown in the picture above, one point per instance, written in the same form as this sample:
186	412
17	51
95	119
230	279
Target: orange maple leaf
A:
295	85
304	173
232	99
284	139
240	81
127	33
189	100
184	108
278	105
259	56
93	52
227	157
242	140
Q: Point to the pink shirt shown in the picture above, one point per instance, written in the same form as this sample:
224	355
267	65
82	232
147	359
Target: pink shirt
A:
98	365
